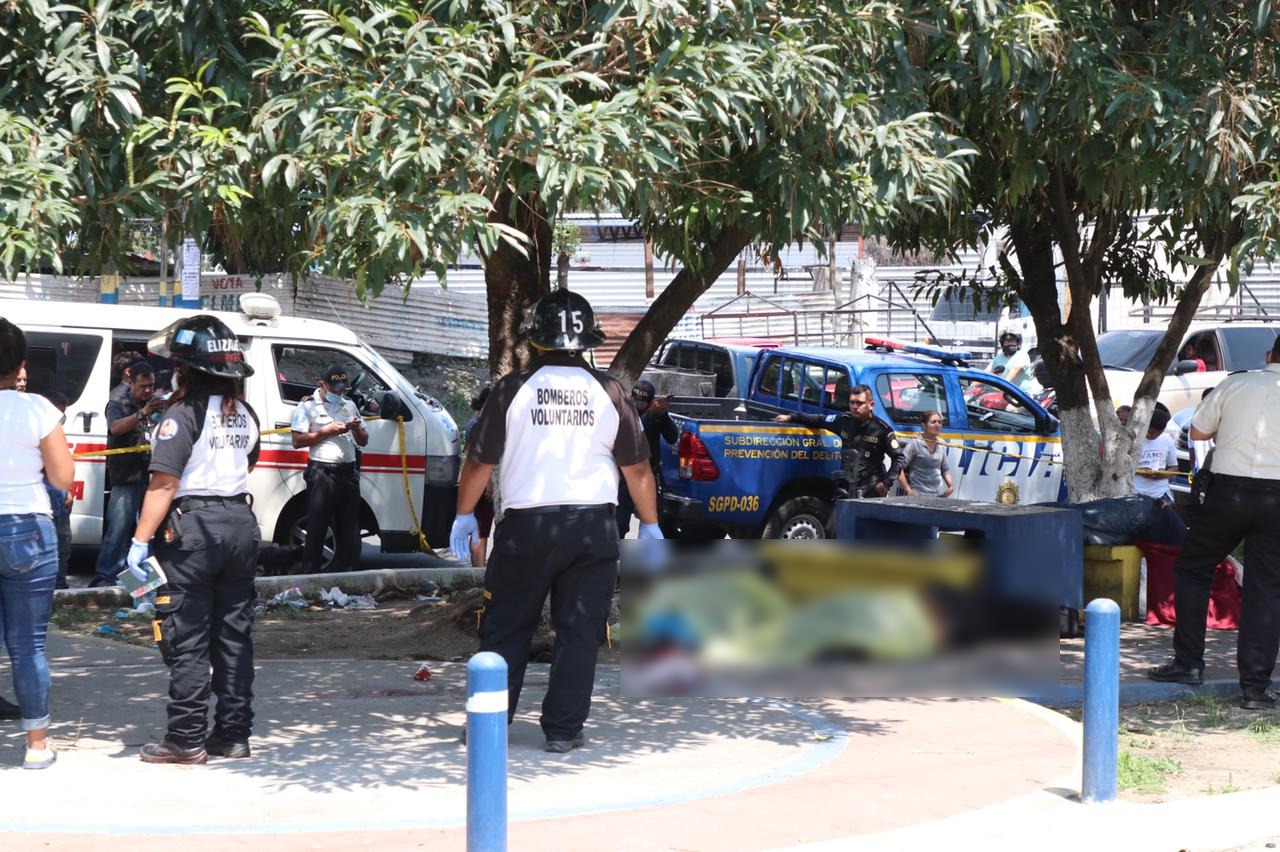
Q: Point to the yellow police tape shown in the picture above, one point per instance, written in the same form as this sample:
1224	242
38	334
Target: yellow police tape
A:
423	544
146	448
999	453
284	430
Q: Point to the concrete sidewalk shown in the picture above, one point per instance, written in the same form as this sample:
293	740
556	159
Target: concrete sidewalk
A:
350	753
1143	646
356	753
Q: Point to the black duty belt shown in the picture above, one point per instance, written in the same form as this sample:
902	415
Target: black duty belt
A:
195	502
1248	483
333	465
567	507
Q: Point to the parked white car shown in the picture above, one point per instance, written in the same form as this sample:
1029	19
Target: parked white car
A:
1222	348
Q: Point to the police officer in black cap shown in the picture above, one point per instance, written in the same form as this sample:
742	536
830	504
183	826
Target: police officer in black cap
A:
197	518
562	432
328	424
657	425
865	442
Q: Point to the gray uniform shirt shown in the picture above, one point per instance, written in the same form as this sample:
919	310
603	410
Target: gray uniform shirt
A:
924	469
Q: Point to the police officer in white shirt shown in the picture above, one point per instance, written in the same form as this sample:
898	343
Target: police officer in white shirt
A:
197	517
329	425
1242	502
562	432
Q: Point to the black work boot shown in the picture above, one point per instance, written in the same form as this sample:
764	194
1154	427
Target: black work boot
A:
1258	699
8	710
219	746
565	746
170	752
1172	671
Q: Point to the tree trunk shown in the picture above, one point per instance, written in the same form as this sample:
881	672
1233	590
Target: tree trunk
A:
562	271
674	302
514	281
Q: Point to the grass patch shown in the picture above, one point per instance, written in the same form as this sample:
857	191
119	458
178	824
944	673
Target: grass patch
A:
1229	787
1264	730
1210	710
74	617
1144	774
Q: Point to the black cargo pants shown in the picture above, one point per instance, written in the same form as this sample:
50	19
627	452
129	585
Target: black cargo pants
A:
570	552
1236	508
333	499
205	614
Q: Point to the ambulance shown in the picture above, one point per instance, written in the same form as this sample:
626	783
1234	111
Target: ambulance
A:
408	471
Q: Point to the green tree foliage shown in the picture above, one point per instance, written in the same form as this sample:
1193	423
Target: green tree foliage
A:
415	134
1086	115
383	141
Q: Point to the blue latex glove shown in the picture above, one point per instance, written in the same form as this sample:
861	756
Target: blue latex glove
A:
464	527
139	552
650	531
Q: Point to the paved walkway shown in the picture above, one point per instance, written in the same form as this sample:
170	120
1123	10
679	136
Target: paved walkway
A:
357	754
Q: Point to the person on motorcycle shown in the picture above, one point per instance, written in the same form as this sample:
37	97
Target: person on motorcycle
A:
1014	365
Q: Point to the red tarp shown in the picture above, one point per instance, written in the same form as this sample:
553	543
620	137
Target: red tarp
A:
1224	598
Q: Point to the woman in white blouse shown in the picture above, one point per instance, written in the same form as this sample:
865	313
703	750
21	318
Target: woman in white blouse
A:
32	446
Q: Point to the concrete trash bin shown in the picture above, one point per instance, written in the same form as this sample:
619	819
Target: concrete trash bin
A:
1114	572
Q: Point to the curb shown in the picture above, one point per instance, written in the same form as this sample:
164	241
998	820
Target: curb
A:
407	580
1143	692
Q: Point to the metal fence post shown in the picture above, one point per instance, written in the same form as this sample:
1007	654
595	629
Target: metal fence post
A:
486	753
1101	700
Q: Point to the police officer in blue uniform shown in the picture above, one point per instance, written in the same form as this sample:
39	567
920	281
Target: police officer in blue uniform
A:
865	442
197	519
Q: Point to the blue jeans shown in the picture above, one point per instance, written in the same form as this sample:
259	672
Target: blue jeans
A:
28	570
122	519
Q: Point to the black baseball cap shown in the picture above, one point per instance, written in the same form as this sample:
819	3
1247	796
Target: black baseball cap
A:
336	378
643	391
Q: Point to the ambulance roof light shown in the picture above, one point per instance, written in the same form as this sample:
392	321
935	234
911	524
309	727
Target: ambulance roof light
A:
260	306
946	356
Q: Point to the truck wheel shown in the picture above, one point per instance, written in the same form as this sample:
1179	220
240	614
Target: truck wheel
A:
799	517
291	532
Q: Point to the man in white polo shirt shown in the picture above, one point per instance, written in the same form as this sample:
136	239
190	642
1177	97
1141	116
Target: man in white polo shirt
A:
329	425
563	433
1242	502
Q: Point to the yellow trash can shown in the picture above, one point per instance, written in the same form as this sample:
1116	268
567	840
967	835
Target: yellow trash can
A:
1114	572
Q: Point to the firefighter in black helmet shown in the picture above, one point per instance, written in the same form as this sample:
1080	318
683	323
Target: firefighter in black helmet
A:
563	432
197	520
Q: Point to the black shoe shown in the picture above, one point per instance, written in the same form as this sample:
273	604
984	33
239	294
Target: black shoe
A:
8	710
168	752
565	746
1265	700
102	583
1172	671
216	746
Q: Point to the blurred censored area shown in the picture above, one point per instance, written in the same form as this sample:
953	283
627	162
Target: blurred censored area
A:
830	619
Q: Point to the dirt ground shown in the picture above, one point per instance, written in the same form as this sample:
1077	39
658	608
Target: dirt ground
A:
399	629
1194	747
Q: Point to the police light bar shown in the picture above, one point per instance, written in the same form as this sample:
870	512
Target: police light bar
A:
944	355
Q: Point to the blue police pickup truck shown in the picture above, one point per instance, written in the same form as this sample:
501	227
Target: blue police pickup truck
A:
735	471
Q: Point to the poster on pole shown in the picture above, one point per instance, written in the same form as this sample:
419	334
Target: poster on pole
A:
190	270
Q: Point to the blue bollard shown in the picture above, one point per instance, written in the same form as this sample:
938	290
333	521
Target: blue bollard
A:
486	753
1101	700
